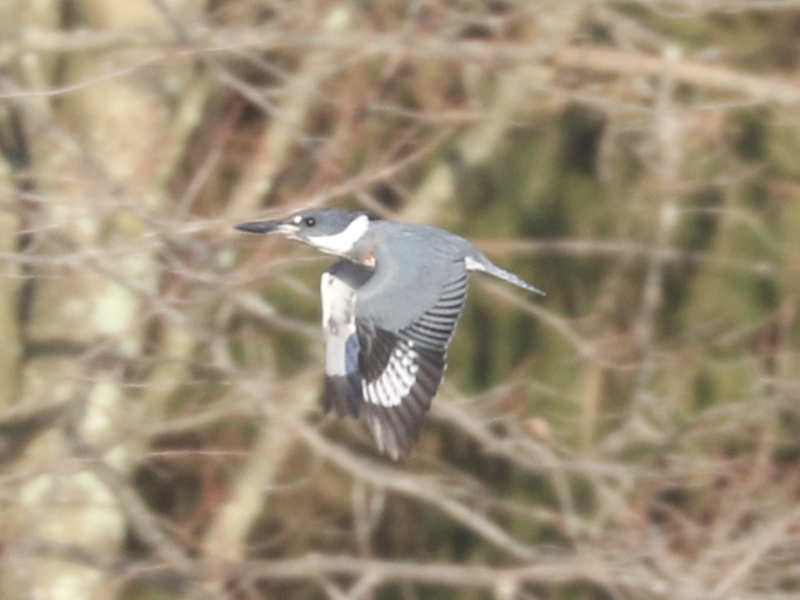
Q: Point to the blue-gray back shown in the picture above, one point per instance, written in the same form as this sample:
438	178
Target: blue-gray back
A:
413	265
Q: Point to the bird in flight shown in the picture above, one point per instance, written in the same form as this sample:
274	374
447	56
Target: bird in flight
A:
389	309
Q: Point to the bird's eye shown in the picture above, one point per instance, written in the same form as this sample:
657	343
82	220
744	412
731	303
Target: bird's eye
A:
310	221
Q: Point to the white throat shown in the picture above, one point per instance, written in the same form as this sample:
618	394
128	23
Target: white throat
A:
342	242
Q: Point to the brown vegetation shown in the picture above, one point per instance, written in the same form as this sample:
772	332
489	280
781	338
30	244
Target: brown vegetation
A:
635	435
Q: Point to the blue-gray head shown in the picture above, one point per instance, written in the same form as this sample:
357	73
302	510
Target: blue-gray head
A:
328	230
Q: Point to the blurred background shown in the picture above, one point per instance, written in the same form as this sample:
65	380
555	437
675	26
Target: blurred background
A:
634	435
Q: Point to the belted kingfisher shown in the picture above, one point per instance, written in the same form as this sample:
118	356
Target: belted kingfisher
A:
389	310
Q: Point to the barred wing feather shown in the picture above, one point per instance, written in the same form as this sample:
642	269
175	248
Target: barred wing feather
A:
402	370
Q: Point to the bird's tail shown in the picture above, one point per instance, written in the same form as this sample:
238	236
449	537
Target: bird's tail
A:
479	262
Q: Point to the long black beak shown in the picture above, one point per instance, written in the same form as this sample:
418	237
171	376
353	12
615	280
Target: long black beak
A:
260	226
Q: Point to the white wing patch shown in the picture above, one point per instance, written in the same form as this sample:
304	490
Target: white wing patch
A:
397	378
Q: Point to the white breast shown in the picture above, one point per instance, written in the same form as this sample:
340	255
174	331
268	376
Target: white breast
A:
338	321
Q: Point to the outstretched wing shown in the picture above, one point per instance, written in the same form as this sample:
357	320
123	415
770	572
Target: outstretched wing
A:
404	322
342	390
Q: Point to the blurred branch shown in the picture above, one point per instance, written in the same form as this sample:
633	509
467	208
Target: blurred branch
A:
615	248
551	570
204	40
584	347
718	77
415	487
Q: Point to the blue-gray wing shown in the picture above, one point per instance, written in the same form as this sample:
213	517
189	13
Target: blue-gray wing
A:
405	318
342	390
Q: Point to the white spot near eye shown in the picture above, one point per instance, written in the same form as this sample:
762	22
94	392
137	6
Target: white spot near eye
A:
297	219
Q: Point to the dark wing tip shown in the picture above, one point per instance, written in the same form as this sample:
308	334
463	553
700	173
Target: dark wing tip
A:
342	394
395	429
388	438
396	426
